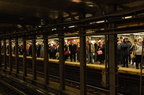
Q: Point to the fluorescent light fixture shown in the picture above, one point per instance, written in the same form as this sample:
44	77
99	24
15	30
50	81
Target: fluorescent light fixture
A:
76	1
127	17
71	26
92	22
93	41
54	29
102	21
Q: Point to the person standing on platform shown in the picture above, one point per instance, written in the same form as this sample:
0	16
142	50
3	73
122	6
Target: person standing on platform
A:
119	52
53	51
129	50
133	52
78	51
30	49
66	52
125	52
101	52
20	49
72	49
42	49
138	52
38	48
27	49
90	50
96	49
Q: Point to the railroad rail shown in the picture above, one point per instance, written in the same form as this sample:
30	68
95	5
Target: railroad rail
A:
128	78
13	86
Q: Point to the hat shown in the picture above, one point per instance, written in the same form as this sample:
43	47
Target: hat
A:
125	38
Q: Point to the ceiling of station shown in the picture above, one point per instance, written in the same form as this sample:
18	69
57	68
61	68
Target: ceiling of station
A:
32	12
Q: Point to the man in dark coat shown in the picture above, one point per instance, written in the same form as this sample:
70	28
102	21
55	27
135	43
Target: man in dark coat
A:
72	49
125	52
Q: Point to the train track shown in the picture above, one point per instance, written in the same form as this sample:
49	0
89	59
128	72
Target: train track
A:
128	84
8	89
75	84
13	86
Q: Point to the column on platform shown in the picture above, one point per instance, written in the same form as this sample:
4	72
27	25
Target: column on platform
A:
46	60
24	58
34	65
5	63
16	56
10	54
61	62
0	54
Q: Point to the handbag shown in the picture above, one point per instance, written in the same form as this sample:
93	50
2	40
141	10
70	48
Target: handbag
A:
99	52
66	53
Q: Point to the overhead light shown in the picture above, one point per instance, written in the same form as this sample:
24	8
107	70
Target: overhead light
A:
127	17
102	21
19	26
76	1
92	22
54	29
71	26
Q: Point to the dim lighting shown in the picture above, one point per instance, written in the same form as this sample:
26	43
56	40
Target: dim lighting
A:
127	17
71	26
92	22
54	29
76	1
102	21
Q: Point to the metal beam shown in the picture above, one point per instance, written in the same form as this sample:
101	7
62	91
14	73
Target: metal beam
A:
0	54
61	55
46	60
5	63
24	58
10	54
87	26
83	69
34	68
113	66
61	63
16	55
61	66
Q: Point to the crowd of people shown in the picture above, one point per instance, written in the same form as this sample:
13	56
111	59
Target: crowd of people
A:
128	53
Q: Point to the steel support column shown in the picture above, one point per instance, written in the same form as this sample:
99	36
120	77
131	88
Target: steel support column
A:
0	54
46	60
16	55
141	70
105	78
61	63
10	54
5	63
61	55
34	58
24	58
113	67
83	70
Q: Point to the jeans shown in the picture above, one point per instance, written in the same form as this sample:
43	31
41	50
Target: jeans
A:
90	57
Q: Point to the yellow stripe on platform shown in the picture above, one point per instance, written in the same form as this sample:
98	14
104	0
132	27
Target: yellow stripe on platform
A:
93	66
